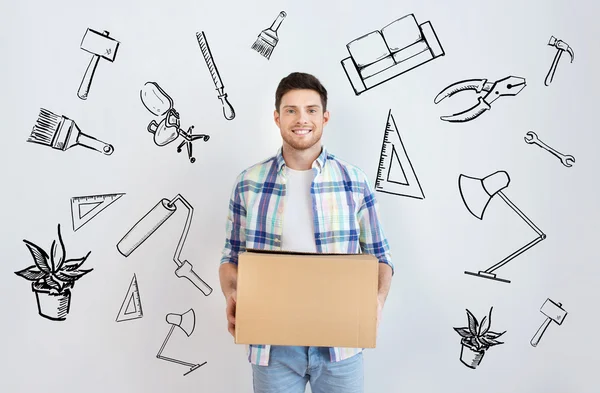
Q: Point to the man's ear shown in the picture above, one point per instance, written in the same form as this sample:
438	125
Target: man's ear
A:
276	117
325	117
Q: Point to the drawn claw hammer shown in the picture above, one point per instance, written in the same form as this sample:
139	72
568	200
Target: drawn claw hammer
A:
532	138
560	46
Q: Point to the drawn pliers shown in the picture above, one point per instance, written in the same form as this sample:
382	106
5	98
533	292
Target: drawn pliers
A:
509	86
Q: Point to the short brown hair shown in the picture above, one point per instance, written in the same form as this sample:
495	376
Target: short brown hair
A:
300	80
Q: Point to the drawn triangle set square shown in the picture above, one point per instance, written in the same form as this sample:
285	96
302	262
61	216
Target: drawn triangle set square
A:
84	208
131	308
395	173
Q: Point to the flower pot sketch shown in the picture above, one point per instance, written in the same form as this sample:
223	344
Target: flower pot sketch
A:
53	277
476	339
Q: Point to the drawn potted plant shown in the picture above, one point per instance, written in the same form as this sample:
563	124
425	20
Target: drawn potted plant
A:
53	278
477	338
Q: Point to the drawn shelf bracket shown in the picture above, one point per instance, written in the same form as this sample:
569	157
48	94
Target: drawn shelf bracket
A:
148	224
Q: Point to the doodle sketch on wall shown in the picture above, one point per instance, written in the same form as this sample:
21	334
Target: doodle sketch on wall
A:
149	223
131	308
566	159
187	323
554	313
509	86
84	208
397	48
476	194
561	47
100	45
62	133
268	39
53	278
158	102
476	339
228	111
395	173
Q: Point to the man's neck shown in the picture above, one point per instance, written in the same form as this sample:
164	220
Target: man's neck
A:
301	159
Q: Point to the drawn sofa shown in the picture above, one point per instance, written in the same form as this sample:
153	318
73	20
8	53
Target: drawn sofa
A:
395	49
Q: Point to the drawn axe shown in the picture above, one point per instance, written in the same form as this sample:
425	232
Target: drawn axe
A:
553	312
100	45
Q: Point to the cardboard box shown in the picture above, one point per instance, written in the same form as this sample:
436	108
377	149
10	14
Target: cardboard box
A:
291	298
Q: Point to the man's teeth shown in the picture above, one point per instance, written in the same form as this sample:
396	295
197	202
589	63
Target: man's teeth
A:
302	132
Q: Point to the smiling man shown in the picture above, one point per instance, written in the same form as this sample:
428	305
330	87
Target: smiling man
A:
314	202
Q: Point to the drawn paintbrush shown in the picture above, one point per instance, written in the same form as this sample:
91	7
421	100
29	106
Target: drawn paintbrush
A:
228	111
61	133
267	39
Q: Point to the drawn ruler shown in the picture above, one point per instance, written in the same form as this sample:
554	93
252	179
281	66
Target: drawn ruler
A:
404	180
84	208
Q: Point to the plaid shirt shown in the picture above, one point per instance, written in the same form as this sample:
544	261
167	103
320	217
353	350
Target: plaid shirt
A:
344	207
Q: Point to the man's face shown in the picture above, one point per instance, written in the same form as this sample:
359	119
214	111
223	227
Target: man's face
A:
301	118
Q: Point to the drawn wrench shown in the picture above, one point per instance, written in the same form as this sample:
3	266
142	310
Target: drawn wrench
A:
532	138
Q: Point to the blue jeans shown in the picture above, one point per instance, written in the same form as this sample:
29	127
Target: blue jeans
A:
291	367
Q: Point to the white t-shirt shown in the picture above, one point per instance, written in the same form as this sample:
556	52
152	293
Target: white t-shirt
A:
298	228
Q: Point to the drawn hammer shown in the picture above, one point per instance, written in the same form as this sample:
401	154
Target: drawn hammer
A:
553	312
100	45
561	46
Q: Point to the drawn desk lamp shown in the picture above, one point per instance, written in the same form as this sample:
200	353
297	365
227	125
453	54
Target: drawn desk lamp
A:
476	194
157	101
148	224
186	322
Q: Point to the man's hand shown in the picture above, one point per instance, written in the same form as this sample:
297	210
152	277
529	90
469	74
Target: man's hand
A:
230	312
379	310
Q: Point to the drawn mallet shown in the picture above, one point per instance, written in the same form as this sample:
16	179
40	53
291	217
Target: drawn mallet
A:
61	133
100	45
148	224
554	313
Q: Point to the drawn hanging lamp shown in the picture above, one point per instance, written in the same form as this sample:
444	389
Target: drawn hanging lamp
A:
476	194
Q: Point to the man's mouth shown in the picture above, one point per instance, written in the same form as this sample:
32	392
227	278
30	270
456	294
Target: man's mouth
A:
301	131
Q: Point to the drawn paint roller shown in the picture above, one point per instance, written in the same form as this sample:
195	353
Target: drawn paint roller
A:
62	133
148	224
554	313
100	45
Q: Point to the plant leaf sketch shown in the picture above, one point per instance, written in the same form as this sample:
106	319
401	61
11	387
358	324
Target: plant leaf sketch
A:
509	86
476	339
187	323
566	159
561	47
158	102
84	208
228	111
62	133
476	194
554	313
403	181
149	223
131	308
100	45
53	278
382	55
267	39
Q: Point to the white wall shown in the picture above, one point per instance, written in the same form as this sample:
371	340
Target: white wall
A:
434	240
